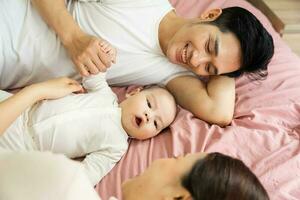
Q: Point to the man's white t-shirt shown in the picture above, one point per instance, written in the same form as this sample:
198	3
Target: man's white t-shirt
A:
32	52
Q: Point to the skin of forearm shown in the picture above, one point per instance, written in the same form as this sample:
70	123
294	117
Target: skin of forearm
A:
56	15
212	102
12	108
221	90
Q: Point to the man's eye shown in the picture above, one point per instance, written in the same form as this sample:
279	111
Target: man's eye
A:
207	68
155	124
208	45
208	48
148	103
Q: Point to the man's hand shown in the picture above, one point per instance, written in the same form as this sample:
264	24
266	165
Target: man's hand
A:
90	54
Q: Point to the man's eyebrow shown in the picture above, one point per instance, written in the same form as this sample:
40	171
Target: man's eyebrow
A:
217	45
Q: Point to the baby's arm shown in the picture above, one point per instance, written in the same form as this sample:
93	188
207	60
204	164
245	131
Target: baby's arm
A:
96	82
12	107
98	164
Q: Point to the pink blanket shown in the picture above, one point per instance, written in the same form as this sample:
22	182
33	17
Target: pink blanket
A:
264	133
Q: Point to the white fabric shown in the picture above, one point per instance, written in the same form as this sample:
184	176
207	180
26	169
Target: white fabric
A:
76	125
42	176
29	50
32	52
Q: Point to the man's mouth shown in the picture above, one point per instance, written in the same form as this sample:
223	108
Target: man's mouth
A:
182	55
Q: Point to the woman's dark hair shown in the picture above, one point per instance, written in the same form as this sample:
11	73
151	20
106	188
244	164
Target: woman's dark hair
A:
220	177
256	43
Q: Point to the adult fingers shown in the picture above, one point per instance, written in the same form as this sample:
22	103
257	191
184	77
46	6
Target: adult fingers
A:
105	46
91	67
98	63
72	81
76	87
83	70
105	59
113	55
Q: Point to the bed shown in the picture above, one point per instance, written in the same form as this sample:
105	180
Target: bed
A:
264	133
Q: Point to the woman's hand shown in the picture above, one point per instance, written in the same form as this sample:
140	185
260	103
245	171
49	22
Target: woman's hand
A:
56	88
90	54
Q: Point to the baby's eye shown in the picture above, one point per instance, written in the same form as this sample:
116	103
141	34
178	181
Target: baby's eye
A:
148	103
155	124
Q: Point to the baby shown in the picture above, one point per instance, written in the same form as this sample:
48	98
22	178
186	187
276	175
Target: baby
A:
89	124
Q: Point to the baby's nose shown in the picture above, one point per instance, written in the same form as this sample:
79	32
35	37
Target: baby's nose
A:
147	117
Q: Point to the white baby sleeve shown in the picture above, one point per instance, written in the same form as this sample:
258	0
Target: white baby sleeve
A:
98	164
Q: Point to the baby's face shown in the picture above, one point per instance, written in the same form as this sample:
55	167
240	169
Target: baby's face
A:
148	112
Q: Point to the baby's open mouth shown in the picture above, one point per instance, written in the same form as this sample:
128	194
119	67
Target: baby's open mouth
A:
138	121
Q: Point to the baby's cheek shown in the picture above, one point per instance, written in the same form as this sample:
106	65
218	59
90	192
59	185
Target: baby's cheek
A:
148	133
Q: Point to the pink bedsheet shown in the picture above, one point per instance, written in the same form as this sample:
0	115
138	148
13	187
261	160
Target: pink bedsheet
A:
264	133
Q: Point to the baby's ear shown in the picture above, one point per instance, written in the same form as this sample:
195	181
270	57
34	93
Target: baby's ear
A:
133	91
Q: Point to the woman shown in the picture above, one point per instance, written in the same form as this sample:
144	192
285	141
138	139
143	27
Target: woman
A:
195	176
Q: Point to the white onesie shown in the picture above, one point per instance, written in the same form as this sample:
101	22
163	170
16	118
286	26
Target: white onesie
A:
76	125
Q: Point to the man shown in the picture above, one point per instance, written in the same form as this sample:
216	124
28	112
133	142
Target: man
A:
154	45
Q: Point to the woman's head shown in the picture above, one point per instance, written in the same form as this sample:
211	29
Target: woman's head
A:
218	176
196	176
147	111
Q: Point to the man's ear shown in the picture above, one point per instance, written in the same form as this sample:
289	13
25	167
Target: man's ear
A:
211	15
134	91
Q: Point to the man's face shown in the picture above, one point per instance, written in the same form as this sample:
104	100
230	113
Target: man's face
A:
205	50
146	113
161	179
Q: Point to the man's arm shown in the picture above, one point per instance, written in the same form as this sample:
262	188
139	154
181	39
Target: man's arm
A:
212	102
89	54
56	15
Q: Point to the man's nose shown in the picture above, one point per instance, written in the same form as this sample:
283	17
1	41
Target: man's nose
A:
198	59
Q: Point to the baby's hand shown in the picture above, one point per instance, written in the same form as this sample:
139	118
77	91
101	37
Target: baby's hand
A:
107	48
